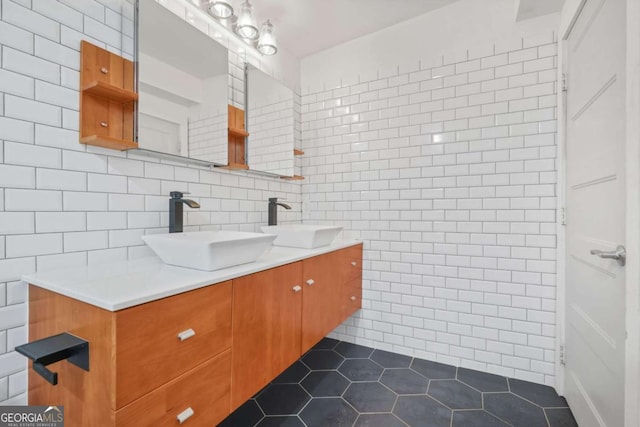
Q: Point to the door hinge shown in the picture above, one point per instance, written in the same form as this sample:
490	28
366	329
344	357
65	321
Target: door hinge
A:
562	355
563	82
563	216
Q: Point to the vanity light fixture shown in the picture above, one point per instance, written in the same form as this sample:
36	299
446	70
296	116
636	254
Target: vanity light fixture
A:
267	41
247	27
244	24
221	9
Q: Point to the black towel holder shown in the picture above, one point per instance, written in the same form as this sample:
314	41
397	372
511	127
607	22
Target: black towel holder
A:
53	349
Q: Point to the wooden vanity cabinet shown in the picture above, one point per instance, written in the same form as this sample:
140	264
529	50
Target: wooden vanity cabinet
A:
266	328
205	351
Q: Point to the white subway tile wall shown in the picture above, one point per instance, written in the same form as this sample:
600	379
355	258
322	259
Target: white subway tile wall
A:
447	169
63	204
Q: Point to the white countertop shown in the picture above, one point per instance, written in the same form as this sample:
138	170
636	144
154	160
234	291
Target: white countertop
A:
121	285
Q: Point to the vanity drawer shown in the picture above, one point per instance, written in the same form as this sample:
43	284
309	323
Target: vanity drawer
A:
149	348
206	390
351	263
351	298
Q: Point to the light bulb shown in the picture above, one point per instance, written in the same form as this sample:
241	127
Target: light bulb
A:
267	43
220	9
247	27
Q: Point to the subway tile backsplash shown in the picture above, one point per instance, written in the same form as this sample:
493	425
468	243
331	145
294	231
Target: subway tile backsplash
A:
447	169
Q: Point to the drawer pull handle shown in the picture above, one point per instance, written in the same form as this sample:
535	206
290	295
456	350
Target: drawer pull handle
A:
185	335
104	124
354	263
297	288
185	415
104	70
310	282
353	298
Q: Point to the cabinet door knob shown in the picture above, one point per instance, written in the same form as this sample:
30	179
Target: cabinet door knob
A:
104	124
186	334
185	415
310	282
104	70
297	288
353	298
354	263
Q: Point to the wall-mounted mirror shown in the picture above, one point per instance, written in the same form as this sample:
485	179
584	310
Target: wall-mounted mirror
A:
182	85
270	123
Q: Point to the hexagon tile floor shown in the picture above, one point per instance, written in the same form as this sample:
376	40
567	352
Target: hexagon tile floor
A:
339	384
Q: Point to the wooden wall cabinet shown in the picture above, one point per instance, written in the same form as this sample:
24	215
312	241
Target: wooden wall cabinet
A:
107	98
237	134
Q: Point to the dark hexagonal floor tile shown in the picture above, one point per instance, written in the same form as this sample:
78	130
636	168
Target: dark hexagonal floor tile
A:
325	384
293	374
370	397
476	418
422	411
332	411
454	394
378	420
353	351
514	410
539	394
482	381
326	344
560	417
280	422
433	370
404	381
246	415
322	359
390	360
282	399
360	370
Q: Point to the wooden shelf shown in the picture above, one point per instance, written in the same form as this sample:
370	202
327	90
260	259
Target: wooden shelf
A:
113	93
238	132
108	142
297	152
107	99
293	178
235	166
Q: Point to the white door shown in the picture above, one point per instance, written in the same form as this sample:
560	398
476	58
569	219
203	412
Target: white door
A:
595	286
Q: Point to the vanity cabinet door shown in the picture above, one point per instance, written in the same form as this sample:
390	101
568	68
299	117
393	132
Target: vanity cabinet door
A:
321	306
266	328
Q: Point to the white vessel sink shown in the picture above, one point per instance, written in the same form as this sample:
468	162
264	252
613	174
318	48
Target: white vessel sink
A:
209	250
303	236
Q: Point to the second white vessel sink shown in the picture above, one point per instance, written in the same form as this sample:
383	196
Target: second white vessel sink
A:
209	250
303	235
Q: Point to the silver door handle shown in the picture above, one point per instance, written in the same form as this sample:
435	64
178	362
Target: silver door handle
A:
620	254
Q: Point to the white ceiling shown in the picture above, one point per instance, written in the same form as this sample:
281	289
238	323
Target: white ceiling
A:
533	8
304	27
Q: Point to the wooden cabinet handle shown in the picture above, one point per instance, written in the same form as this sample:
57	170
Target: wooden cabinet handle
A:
353	298
297	288
185	415
104	124
354	263
104	70
186	334
310	282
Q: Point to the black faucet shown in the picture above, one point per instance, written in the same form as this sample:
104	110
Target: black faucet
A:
273	210
175	210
